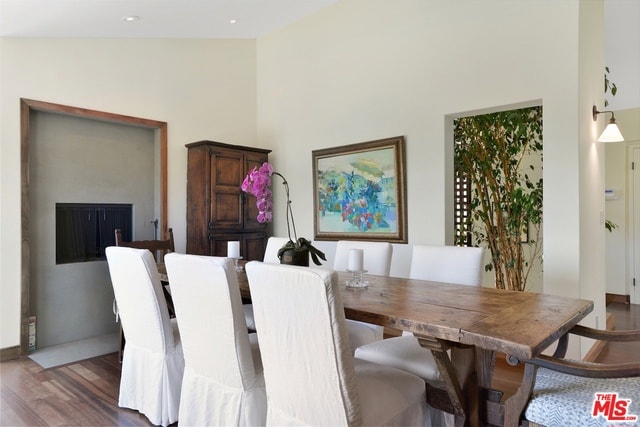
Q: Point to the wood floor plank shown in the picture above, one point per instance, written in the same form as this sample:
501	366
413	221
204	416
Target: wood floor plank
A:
80	394
58	390
627	317
15	411
86	373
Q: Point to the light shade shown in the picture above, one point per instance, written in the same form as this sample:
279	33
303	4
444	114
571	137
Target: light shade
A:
611	133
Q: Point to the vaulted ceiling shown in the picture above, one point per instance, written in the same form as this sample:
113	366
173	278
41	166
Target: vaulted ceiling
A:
155	18
250	19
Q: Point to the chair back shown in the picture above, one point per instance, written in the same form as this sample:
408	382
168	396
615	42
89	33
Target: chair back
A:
273	246
308	367
377	256
141	304
448	264
208	306
159	248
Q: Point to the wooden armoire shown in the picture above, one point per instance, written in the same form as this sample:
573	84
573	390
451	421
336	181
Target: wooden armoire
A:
218	211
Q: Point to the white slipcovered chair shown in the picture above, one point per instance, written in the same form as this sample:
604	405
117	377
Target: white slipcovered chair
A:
223	382
152	364
448	264
273	246
310	374
376	260
271	256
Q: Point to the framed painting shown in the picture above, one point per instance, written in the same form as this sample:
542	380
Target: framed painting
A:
359	191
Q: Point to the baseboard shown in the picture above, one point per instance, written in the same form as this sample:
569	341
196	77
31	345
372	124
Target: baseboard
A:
622	299
598	346
9	353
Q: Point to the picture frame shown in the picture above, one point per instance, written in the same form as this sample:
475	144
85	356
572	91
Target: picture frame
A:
359	191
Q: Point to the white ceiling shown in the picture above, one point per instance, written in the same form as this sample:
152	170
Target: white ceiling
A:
254	18
158	18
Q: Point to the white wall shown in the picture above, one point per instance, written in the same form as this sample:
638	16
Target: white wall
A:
591	285
204	89
622	51
363	70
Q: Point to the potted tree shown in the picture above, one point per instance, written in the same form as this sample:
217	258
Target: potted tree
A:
491	152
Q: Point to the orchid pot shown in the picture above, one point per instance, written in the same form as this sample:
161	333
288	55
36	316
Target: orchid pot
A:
297	250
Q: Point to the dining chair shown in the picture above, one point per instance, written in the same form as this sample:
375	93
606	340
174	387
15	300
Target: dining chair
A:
462	265
376	260
575	393
273	246
448	264
271	256
152	363
310	374
158	248
223	382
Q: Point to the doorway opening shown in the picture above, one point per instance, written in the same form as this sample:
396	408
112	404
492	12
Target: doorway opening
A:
497	191
635	227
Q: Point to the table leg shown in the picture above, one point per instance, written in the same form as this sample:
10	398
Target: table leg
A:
485	364
458	373
514	406
464	362
506	413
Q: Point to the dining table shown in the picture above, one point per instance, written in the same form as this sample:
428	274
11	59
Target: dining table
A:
464	327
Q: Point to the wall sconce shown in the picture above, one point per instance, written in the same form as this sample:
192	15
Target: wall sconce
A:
611	133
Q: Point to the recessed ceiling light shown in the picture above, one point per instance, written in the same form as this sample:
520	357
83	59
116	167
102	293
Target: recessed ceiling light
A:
232	21
130	18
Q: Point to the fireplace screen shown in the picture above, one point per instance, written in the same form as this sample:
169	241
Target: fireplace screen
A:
84	230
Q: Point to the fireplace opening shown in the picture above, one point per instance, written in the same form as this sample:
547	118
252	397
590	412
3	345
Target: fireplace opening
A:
84	230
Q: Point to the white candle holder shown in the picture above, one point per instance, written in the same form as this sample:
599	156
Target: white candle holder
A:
239	268
356	280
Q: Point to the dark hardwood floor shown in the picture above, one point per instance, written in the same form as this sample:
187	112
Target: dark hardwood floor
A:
627	317
86	393
79	394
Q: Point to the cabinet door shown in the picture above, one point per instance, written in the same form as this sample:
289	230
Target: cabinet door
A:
252	245
250	210
219	242
198	200
226	205
217	208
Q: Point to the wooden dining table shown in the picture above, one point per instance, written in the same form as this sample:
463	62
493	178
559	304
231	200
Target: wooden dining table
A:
464	327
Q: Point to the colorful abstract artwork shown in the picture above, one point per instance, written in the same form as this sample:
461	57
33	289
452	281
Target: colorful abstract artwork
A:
359	191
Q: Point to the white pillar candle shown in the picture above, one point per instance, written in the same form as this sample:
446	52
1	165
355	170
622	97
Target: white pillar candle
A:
233	249
355	259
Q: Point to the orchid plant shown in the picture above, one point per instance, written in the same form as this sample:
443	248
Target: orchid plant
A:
258	183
